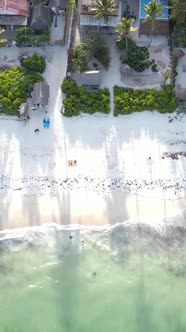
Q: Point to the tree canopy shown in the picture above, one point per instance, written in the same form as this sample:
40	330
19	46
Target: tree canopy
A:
153	9
104	8
178	11
124	28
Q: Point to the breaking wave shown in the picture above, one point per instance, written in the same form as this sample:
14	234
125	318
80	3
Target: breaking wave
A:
149	234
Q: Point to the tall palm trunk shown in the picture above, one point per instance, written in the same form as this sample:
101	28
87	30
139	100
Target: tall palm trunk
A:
151	37
126	41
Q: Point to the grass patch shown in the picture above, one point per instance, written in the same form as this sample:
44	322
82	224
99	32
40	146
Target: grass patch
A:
127	100
78	99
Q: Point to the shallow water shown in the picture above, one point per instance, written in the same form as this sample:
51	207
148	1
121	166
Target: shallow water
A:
47	290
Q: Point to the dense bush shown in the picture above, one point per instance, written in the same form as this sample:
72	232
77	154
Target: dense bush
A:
97	48
69	87
127	100
35	63
179	35
28	36
102	54
92	46
78	99
80	56
16	84
138	58
41	36
23	36
121	44
154	68
174	69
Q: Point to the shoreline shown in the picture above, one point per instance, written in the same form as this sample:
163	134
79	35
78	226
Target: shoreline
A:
81	207
165	236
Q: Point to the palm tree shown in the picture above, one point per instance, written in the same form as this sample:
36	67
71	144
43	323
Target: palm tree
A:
153	9
178	12
124	28
105	8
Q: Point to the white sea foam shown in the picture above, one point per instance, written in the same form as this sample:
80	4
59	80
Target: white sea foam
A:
151	233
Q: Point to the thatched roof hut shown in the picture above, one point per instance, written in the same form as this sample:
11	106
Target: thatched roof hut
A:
40	17
40	94
90	78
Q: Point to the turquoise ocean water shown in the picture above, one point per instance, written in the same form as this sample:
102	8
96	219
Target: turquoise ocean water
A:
46	289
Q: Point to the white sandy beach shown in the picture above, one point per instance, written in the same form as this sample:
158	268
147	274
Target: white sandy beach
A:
114	179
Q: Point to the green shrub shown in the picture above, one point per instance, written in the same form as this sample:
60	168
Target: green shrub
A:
102	54
154	68
71	105
96	47
69	87
179	35
127	100
92	46
16	84
121	44
29	36
42	36
80	56
23	36
35	63
174	69
78	99
138	58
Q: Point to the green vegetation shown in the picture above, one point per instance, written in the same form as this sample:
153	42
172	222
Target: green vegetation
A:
121	44
105	8
41	36
28	36
23	36
80	56
138	58
16	83
124	28
153	9
92	46
78	99
179	35
35	63
127	100
154	67
178	12
126	12
174	69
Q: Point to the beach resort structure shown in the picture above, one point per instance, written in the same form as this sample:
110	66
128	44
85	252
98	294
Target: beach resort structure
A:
40	95
86	9
89	78
14	13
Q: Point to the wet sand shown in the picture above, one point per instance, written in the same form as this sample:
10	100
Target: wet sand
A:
83	207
